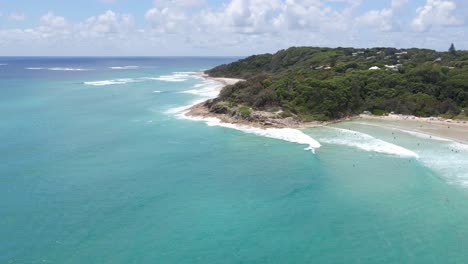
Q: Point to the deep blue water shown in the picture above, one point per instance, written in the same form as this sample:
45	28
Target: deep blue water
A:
96	167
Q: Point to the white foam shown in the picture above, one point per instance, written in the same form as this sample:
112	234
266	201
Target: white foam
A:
285	134
66	69
209	89
422	135
410	132
111	82
3	64
448	160
459	147
157	92
180	111
57	69
124	67
177	77
366	142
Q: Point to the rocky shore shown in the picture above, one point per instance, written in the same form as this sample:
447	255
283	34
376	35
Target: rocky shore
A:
249	117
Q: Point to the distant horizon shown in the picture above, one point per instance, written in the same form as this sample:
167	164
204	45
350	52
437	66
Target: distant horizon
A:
205	56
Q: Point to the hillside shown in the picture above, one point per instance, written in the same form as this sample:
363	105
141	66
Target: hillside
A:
325	84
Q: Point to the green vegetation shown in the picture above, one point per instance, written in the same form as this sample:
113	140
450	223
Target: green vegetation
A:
326	83
245	111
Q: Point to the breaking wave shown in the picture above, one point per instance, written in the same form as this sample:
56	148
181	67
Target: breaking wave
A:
210	89
177	77
124	67
207	88
366	142
111	82
285	134
57	69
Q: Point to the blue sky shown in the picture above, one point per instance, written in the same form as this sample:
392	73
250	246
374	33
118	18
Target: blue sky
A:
225	27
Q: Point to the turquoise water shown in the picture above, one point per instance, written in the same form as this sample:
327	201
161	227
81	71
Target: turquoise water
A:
98	167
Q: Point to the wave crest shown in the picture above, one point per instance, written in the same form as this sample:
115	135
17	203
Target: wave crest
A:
111	82
366	142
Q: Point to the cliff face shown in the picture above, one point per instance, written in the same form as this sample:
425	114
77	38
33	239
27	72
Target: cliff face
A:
327	84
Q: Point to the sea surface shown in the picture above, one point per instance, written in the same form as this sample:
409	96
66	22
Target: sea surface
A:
99	165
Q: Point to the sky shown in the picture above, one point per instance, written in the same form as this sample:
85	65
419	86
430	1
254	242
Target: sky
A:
224	27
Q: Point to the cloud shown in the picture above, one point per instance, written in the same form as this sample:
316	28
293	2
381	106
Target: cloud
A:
436	13
17	16
194	27
108	23
380	19
166	20
399	3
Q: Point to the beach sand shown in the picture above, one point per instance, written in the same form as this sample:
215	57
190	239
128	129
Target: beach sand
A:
445	128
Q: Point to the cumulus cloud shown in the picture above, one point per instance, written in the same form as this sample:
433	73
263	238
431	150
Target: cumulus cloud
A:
380	19
436	13
399	3
17	16
108	23
240	27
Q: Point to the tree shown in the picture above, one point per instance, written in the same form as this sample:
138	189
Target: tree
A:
452	49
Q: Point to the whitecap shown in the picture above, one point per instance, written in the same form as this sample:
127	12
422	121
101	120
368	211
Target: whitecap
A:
66	69
177	77
366	142
110	82
157	92
124	67
57	69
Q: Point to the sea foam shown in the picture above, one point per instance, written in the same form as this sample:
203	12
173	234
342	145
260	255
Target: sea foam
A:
175	77
366	142
124	67
285	134
111	82
413	133
449	160
57	69
210	89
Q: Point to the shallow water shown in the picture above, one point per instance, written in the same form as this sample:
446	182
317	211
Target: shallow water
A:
110	173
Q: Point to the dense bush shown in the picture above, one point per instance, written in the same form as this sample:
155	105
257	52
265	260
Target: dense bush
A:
324	83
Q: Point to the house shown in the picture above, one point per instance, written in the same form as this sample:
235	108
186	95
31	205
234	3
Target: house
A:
438	59
393	67
401	53
370	58
357	53
374	68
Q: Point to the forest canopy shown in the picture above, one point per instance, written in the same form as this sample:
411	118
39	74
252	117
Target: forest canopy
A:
330	83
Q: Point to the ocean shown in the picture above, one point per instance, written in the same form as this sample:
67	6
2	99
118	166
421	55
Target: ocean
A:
99	165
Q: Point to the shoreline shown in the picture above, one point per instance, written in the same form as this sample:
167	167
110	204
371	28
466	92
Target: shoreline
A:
258	119
456	130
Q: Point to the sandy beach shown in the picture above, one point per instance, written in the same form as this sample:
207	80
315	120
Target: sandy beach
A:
446	128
